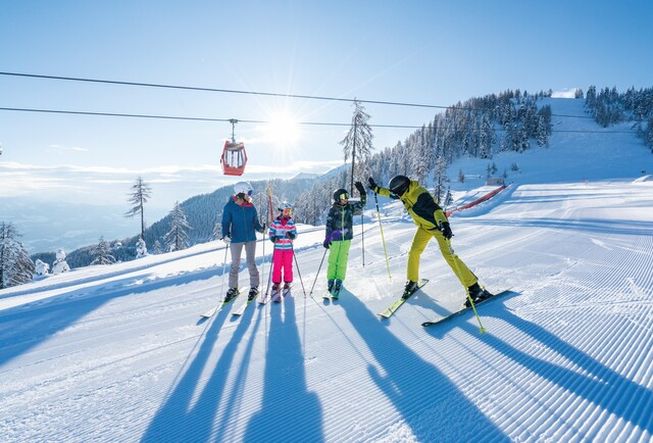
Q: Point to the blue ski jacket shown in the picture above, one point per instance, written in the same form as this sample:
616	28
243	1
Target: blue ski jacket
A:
240	222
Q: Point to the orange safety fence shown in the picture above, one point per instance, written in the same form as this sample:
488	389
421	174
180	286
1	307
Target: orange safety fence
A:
486	197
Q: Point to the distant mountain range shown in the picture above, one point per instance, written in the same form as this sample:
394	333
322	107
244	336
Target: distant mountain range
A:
202	212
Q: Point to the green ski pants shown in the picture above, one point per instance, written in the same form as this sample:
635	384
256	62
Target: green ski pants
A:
338	258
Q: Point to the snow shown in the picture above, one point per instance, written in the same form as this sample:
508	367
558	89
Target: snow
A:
119	352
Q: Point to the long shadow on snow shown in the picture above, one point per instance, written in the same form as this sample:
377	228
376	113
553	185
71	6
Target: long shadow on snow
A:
415	386
25	326
600	385
289	412
180	419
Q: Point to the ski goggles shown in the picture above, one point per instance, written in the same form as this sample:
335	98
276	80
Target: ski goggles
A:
243	196
343	196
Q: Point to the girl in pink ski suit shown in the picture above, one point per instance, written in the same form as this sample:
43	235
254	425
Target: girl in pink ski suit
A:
282	233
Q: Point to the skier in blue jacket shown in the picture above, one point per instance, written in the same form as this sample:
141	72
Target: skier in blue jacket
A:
239	225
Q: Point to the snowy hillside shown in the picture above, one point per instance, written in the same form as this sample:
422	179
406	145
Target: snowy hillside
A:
120	353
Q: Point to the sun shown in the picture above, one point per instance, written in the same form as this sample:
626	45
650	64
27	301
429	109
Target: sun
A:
282	129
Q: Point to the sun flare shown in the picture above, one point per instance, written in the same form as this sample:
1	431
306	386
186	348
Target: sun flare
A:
282	129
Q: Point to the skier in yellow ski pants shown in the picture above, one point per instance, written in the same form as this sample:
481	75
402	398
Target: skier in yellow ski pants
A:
431	223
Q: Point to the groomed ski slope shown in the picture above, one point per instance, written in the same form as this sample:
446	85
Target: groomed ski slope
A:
119	353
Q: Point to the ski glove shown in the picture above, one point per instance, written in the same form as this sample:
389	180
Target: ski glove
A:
373	186
360	188
445	228
226	239
290	235
262	230
326	243
273	239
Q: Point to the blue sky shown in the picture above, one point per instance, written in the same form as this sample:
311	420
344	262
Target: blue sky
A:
412	51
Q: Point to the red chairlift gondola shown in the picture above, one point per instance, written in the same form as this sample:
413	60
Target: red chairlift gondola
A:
234	157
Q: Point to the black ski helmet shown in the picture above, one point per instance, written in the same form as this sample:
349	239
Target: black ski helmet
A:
399	184
339	193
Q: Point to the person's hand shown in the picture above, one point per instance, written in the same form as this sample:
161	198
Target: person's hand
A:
372	184
446	230
273	239
291	235
262	230
326	243
226	239
360	188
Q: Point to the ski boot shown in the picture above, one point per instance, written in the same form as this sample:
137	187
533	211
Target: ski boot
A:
477	294
253	292
409	289
276	293
336	289
286	289
330	284
232	293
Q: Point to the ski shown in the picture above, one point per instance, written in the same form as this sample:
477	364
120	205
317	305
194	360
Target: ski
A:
211	312
390	310
281	294
243	307
465	309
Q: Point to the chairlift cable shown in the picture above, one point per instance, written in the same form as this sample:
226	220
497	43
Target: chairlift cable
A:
244	92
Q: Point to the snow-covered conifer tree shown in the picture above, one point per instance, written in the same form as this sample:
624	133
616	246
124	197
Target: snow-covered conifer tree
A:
157	247
140	193
420	155
102	254
41	268
357	144
16	267
60	265
441	178
216	234
177	237
141	248
486	137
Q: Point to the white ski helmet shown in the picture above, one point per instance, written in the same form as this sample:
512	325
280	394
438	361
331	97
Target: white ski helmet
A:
284	205
243	188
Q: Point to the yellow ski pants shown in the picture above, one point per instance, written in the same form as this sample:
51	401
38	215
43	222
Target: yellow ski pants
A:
420	240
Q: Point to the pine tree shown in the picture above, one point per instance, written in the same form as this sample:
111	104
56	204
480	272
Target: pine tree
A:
217	230
486	137
441	179
177	237
357	144
102	254
141	248
139	195
15	265
41	268
420	158
60	265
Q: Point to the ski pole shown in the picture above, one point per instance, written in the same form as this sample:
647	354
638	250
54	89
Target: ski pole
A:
224	267
385	249
310	294
363	238
263	265
267	288
298	272
482	330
